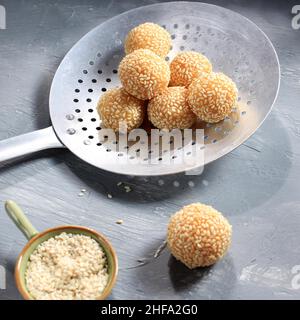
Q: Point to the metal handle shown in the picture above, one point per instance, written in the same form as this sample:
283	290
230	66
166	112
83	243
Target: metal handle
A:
20	219
27	143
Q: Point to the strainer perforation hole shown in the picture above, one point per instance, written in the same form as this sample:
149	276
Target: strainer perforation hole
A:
91	137
115	71
98	128
90	90
103	89
93	119
99	55
249	102
77	90
80	81
174	157
181	48
243	113
99	144
80	119
205	137
173	36
91	63
90	110
167	58
76	100
85	71
108	80
184	37
175	26
159	159
100	71
193	143
214	140
187	26
94	80
108	150
120	154
88	100
84	128
77	110
189	153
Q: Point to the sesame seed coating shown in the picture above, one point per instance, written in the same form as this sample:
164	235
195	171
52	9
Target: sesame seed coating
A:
144	74
198	235
169	110
187	66
212	96
148	36
116	106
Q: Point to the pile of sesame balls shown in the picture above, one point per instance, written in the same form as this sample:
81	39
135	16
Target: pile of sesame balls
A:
174	94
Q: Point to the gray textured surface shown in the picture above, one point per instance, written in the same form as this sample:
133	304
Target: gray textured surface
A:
256	186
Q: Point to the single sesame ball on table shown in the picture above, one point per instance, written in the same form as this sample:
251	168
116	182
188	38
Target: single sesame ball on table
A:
116	107
148	36
144	74
212	97
169	110
198	235
187	66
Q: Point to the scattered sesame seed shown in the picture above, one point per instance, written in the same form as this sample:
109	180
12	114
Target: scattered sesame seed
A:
119	221
127	189
109	196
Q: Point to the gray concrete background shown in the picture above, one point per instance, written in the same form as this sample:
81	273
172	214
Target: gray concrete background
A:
255	186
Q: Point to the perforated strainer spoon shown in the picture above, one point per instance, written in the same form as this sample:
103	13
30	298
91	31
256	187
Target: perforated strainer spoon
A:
235	46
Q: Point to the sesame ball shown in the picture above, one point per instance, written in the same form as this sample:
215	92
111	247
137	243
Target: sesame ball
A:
116	106
212	96
170	110
148	36
144	74
187	66
198	235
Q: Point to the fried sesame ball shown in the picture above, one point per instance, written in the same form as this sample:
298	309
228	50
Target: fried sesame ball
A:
148	36
187	66
170	110
212	96
144	74
198	235
116	106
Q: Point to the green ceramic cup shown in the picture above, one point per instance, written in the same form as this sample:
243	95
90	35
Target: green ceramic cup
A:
35	238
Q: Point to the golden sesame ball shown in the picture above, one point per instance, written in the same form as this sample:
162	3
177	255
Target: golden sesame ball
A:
148	36
144	74
187	66
116	106
170	110
212	96
198	235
